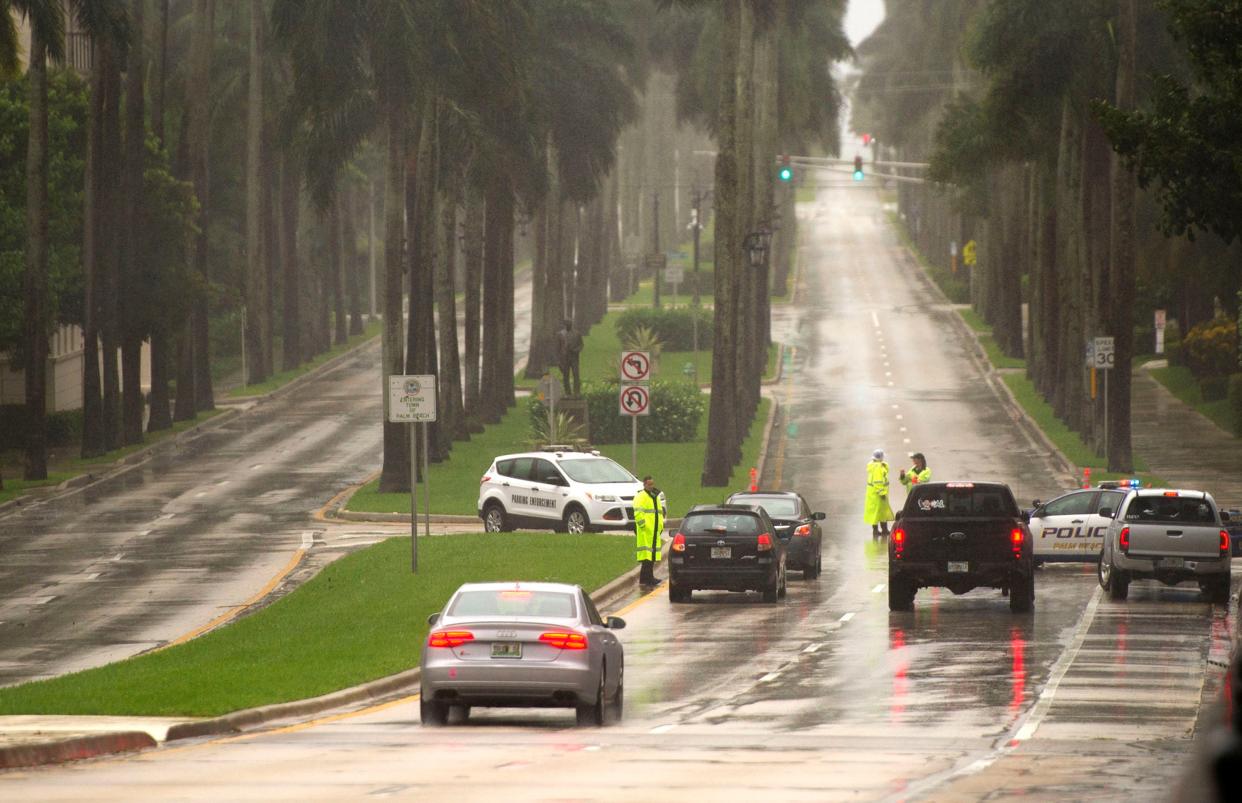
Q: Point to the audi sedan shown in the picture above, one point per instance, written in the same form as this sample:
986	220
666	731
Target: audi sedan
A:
519	644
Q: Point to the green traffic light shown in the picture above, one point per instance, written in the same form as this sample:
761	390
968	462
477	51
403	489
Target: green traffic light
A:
858	175
785	174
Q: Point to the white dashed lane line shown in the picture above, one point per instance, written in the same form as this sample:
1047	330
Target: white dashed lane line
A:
879	588
846	617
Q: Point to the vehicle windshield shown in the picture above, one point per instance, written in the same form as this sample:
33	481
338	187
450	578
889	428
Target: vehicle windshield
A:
949	501
721	524
777	507
513	602
1170	510
595	469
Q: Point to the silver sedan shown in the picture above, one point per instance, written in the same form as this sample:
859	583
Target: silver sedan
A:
522	644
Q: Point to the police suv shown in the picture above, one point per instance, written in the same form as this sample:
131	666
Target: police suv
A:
562	490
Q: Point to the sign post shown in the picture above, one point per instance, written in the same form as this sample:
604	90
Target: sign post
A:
1104	360
1160	322
412	400
635	397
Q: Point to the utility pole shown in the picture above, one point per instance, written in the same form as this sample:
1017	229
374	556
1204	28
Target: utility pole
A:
655	236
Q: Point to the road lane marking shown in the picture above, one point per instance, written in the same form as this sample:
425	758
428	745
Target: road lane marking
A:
900	416
768	678
322	513
662	729
905	440
846	617
145	532
813	647
118	556
308	539
879	588
875	319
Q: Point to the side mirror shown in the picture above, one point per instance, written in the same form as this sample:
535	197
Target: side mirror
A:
1106	512
1025	516
431	620
614	623
1036	504
897	516
819	515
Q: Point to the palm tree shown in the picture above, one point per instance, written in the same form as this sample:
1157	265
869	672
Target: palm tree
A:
257	334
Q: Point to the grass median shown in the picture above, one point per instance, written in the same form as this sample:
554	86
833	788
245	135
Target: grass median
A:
1185	386
676	467
361	618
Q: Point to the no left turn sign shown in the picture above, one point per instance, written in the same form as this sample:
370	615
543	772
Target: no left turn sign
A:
635	400
635	366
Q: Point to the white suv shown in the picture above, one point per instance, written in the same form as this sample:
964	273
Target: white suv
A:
568	491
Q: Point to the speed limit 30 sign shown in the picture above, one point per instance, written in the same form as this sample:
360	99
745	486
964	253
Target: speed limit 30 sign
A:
635	400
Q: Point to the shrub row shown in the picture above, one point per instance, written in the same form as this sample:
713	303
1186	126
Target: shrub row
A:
676	408
1211	349
63	428
673	327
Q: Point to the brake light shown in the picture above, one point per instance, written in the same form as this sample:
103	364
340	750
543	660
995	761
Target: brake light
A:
765	542
804	530
1016	537
564	640
899	541
1124	540
679	543
449	638
1170	493
1224	543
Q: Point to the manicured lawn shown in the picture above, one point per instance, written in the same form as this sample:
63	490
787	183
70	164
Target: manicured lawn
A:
1183	384
676	467
361	618
278	380
997	357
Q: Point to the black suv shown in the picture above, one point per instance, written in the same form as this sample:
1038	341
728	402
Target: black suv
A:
729	548
795	524
960	536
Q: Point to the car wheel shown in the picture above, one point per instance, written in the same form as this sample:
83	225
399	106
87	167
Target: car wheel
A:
494	519
617	706
1216	591
591	715
458	714
1022	594
1103	572
900	594
812	572
433	714
576	521
784	587
678	592
770	592
1118	585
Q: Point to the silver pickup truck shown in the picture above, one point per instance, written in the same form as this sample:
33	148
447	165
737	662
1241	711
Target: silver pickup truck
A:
1173	536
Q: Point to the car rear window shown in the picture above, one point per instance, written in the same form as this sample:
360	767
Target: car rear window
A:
513	602
721	524
1170	510
778	507
965	500
597	469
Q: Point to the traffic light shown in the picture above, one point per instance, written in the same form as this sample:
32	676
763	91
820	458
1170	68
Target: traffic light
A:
866	139
785	171
858	168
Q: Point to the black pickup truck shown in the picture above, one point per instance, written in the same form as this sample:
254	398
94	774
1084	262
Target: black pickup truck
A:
960	536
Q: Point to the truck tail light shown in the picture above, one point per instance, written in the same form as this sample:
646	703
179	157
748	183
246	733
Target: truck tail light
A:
899	541
1124	540
1224	543
449	638
564	640
1016	537
804	530
765	542
679	543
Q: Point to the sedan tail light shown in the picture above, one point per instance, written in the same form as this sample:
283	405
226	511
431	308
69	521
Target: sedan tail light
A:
564	640
1124	540
679	543
804	530
449	638
1224	543
765	542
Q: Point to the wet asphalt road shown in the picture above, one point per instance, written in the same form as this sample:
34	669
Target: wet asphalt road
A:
824	695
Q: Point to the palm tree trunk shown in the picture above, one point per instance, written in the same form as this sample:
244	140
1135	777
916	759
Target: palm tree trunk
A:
353	263
35	284
451	419
198	96
291	345
92	403
133	326
395	476
473	296
256	290
1121	271
336	263
110	245
160	413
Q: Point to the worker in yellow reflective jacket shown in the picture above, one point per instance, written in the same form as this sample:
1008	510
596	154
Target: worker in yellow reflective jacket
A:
877	511
650	508
919	472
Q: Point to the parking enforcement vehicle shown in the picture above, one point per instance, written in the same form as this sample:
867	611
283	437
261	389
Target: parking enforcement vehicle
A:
520	644
564	490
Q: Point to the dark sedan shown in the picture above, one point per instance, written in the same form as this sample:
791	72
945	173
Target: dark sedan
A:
727	548
795	524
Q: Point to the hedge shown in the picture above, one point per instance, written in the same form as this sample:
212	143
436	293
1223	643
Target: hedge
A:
676	408
63	428
674	327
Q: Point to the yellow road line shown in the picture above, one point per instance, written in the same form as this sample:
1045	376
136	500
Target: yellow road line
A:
234	611
322	513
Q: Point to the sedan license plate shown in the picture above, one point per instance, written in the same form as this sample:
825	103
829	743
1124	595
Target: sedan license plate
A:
959	566
506	649
725	552
1172	563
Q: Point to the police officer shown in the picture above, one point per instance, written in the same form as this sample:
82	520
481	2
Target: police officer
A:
877	511
919	472
650	508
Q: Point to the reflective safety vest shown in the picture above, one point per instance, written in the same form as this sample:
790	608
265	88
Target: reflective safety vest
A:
649	512
912	477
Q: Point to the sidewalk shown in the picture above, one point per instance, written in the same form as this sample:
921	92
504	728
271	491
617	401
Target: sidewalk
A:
1184	447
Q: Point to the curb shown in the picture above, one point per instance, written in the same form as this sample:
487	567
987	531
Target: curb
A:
80	747
324	367
762	463
55	752
979	356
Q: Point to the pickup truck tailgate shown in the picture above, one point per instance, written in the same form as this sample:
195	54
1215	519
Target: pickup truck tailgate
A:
1174	540
945	539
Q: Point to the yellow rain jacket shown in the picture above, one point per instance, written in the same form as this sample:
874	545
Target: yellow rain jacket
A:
877	508
912	477
649	513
